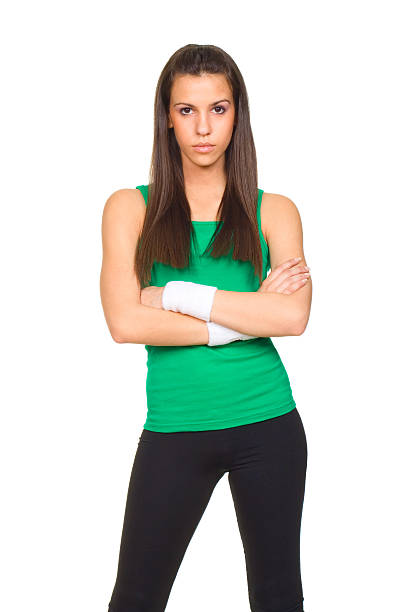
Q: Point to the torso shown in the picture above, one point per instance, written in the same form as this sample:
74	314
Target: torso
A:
198	387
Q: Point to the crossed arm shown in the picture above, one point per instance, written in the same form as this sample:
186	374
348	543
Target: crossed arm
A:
269	314
253	313
260	314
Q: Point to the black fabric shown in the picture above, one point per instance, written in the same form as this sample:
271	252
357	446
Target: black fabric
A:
172	479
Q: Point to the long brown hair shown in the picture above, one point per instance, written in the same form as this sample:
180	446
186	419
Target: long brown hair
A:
166	232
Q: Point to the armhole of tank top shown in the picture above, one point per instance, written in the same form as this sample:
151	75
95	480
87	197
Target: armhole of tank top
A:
262	237
144	190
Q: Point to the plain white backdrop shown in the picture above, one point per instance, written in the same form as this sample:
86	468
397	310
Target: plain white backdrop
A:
328	99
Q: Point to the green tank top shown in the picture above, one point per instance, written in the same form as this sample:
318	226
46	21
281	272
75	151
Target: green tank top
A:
201	387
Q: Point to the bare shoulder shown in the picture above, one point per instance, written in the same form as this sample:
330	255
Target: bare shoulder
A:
277	211
128	202
282	227
124	211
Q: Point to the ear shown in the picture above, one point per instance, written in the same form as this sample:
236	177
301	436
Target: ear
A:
170	123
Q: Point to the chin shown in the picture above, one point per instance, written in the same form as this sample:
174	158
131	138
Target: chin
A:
205	162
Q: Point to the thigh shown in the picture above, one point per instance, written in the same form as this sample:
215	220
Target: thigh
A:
170	485
267	486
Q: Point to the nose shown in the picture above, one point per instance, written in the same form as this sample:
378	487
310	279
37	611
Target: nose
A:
203	124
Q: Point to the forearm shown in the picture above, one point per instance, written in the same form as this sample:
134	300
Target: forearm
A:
148	325
256	313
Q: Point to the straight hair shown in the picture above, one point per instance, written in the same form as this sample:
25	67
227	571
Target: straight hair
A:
166	233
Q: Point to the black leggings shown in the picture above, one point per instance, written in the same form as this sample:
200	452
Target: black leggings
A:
172	479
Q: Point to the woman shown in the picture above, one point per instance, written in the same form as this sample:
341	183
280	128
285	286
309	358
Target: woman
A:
185	261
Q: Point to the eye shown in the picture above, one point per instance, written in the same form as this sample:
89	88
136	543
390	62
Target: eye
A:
185	108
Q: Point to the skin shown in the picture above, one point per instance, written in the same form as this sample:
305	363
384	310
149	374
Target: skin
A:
286	278
204	173
195	118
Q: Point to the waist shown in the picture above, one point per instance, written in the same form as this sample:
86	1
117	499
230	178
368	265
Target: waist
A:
198	358
199	379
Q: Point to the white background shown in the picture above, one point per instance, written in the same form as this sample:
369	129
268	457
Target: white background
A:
328	101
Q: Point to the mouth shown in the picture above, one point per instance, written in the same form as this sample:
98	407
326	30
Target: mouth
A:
204	148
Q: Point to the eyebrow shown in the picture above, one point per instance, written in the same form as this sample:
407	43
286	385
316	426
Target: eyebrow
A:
213	104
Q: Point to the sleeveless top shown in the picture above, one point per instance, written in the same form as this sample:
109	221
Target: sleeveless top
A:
201	387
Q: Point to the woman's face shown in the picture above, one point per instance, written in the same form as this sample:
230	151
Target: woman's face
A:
202	110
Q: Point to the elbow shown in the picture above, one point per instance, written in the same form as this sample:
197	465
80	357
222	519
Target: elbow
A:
118	333
126	333
118	339
117	336
300	324
124	324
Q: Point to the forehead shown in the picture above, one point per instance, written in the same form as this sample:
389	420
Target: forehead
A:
203	89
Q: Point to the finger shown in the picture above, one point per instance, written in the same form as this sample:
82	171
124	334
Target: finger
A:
284	266
285	291
294	284
300	276
300	269
289	276
288	264
286	271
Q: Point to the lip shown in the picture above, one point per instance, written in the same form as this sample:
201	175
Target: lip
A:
204	148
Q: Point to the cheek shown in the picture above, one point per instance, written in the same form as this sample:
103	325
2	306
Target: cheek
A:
226	131
182	131
227	125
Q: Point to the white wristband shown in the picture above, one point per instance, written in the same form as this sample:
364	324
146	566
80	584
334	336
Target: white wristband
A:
246	337
218	334
189	298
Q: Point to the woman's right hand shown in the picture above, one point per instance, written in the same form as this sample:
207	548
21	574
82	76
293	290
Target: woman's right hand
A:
286	278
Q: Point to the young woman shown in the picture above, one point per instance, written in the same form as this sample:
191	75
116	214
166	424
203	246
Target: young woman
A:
185	272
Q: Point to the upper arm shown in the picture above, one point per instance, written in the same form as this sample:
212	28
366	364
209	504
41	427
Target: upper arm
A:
284	236
122	222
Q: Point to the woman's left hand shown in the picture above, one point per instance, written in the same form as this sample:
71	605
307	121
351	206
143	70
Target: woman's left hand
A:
152	296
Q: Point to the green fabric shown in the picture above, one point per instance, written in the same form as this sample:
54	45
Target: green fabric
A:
201	387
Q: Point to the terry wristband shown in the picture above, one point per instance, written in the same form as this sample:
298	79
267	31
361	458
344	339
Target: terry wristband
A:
189	298
218	334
